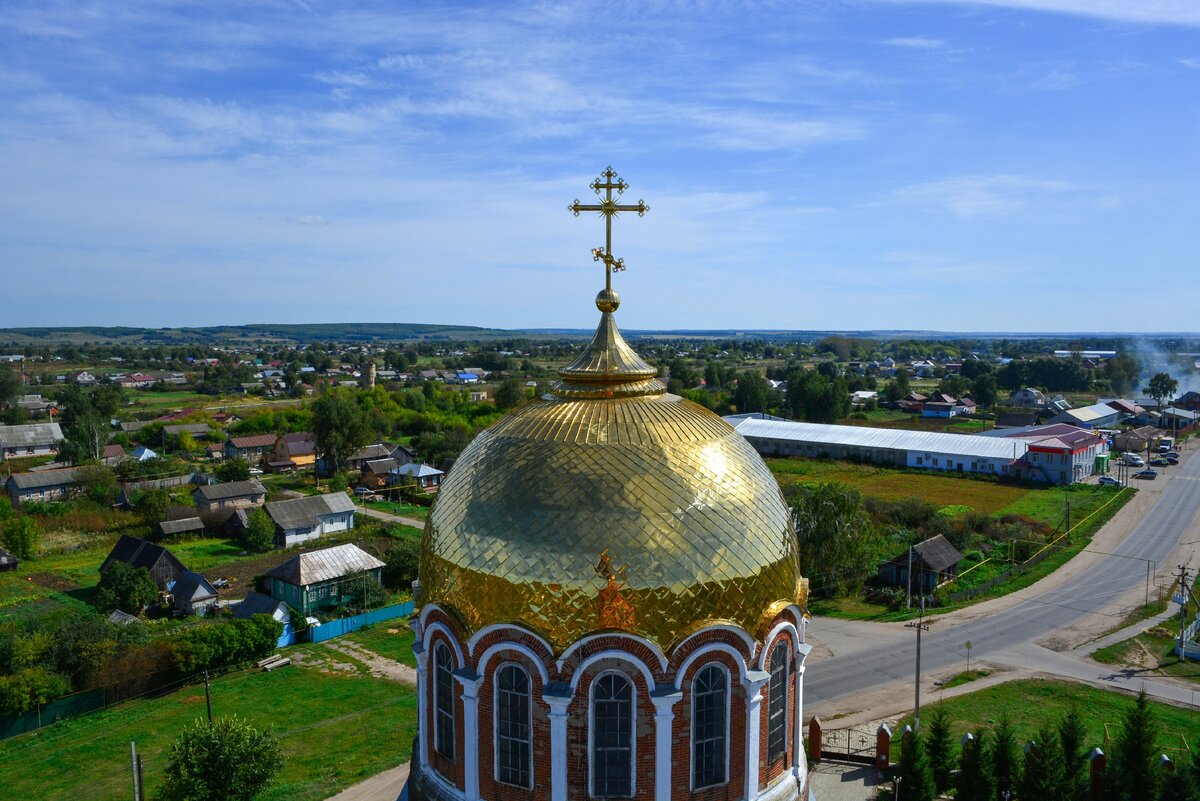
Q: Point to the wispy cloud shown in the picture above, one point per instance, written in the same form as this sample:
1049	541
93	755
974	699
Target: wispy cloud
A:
1158	12
1190	63
916	42
972	196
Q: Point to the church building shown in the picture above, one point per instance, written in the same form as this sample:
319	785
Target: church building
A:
610	604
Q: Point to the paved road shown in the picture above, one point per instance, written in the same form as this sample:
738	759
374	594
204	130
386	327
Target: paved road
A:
876	657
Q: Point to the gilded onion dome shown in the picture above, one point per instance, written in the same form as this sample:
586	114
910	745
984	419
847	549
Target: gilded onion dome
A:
610	504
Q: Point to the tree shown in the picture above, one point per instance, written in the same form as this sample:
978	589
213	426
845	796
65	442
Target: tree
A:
1006	765
1131	774
235	469
509	394
124	587
1183	783
363	591
914	774
10	387
940	748
22	537
837	543
975	779
984	390
229	759
153	504
1122	373
1071	741
401	563
259	535
98	483
1161	386
751	393
339	426
1043	773
86	435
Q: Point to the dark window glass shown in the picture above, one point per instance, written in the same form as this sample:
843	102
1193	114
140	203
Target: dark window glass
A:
777	704
709	727
612	737
443	701
513	727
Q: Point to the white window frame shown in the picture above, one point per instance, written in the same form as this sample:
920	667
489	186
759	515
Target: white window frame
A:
496	723
787	676
591	708
692	724
437	715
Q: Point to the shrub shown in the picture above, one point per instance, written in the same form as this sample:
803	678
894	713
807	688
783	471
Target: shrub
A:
25	689
401	562
22	536
214	644
259	535
229	759
130	589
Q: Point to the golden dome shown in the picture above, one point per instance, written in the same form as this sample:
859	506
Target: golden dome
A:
610	504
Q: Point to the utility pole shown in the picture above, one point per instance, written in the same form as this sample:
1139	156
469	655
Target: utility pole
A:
208	699
920	626
908	594
141	780
133	766
1183	605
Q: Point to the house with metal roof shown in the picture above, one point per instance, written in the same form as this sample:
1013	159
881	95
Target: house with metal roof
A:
33	439
43	485
1098	415
294	451
254	449
321	579
160	563
302	519
192	594
427	478
223	499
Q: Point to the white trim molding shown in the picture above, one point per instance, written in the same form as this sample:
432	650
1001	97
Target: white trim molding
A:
442	627
478	636
786	625
524	650
664	721
753	682
692	733
559	697
633	728
708	650
470	681
742	634
624	656
575	646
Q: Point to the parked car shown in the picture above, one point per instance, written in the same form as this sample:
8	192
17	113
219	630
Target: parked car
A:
1146	474
1133	460
1172	459
1160	462
1108	481
1172	454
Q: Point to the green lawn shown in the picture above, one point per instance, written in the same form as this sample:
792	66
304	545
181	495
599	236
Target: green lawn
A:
336	730
1151	653
1031	703
392	639
403	509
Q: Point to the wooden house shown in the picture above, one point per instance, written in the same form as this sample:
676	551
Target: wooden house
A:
160	563
301	519
192	594
933	561
254	449
320	579
219	499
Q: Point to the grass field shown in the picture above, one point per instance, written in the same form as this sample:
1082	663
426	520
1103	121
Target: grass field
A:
1152	653
393	639
1032	703
336	730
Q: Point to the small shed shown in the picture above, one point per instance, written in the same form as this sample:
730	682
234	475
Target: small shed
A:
192	593
258	604
8	561
187	527
933	561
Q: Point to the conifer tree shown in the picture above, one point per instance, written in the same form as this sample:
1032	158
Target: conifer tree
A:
1132	774
1072	746
914	772
975	779
1182	784
1006	765
940	748
1043	773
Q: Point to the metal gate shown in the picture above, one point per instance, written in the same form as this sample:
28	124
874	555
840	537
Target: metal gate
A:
848	745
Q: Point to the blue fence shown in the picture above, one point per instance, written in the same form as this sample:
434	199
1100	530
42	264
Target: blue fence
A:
345	625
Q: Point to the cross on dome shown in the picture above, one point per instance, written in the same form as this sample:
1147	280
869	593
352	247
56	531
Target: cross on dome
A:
609	206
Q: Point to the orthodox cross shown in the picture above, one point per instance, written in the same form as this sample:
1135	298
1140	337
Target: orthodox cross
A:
610	207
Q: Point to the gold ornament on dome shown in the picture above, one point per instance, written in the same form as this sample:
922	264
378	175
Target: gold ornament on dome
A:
609	462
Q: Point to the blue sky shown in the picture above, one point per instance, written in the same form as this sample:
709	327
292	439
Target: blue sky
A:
958	165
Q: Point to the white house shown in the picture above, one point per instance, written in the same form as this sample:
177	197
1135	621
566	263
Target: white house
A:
302	519
34	439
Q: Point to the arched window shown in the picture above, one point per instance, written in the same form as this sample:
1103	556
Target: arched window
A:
612	737
710	727
777	700
443	701
514	727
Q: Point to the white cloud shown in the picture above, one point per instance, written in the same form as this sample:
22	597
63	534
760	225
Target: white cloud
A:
916	42
1158	12
981	195
311	219
1191	63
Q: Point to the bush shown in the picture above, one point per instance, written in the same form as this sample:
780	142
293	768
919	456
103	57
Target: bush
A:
22	537
130	589
98	483
401	563
234	470
259	535
214	644
230	760
25	689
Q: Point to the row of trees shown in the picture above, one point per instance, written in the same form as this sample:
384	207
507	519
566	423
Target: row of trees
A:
992	765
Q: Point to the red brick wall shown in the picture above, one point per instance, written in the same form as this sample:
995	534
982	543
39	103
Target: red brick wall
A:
578	770
769	771
681	734
451	770
489	787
